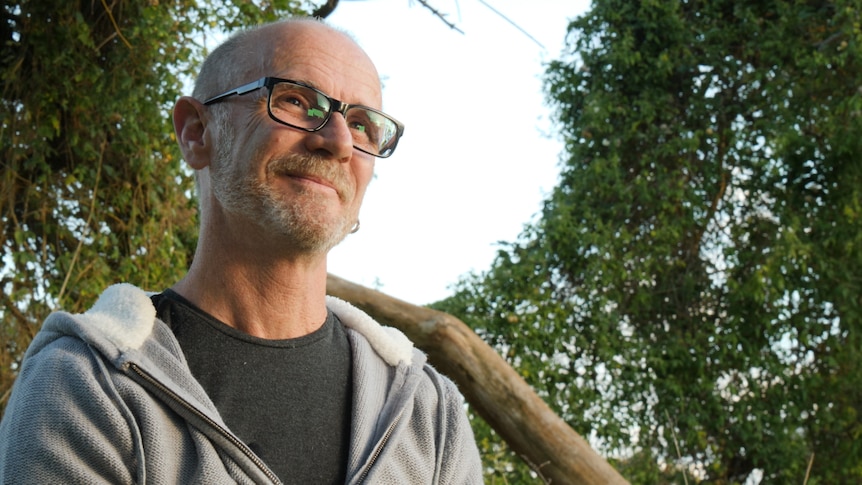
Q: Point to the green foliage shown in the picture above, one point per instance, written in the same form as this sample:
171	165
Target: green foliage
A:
92	189
689	299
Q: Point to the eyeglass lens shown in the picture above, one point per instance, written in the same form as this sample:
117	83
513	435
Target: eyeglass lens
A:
305	108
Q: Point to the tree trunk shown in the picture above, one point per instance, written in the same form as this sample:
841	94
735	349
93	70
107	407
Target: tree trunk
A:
490	385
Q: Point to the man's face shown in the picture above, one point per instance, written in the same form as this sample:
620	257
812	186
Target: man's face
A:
305	187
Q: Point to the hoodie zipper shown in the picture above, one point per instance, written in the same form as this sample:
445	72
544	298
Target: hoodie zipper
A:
379	449
209	421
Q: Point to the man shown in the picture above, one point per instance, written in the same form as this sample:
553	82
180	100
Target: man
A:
245	371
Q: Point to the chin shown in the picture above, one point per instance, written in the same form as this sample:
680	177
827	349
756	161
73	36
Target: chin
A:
310	235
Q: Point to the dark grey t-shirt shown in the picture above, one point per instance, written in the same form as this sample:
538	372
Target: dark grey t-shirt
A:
289	400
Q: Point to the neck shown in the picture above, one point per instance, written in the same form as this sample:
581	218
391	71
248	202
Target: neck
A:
261	293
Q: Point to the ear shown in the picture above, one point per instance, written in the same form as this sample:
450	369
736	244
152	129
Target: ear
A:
190	126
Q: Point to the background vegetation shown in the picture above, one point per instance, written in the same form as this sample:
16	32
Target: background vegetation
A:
689	298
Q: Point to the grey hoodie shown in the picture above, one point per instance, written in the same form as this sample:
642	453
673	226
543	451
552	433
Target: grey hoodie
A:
106	397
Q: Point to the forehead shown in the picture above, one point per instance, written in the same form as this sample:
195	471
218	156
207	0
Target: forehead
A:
325	58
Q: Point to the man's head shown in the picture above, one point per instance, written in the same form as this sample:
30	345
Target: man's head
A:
284	154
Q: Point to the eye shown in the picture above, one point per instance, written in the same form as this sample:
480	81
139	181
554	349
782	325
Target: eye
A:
299	100
287	99
358	126
362	126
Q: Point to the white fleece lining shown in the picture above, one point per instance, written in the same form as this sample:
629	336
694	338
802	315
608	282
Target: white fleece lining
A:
124	314
389	343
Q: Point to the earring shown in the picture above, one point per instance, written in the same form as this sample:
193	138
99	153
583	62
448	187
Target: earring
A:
355	227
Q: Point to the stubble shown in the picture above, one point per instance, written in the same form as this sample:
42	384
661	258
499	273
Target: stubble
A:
303	220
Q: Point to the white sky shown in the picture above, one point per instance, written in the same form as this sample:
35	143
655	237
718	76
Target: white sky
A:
476	159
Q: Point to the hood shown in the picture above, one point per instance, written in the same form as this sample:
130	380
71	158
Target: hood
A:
124	317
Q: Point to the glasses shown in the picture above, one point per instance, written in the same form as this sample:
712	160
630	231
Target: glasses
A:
301	106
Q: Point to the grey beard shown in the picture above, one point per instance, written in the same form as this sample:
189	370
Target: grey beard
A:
240	192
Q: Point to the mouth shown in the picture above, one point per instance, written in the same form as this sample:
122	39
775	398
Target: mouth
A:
311	173
311	178
312	182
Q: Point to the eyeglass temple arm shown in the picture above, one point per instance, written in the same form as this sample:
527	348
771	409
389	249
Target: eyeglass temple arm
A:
244	89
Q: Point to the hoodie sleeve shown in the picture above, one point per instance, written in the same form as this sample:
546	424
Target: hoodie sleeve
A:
63	423
458	459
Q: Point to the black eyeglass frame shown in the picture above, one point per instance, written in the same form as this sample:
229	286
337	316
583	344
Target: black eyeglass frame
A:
336	106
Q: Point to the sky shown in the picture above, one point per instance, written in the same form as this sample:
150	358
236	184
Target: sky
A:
478	155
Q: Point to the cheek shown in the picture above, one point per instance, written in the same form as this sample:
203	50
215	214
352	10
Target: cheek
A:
283	139
268	137
264	146
364	175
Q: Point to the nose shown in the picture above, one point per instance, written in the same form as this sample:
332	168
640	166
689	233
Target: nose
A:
334	139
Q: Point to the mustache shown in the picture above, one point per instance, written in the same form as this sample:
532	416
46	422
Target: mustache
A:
313	166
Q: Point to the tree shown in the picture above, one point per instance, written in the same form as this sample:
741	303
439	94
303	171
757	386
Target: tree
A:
690	295
92	186
93	190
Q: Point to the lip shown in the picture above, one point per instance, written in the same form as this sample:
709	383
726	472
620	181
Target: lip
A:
302	177
314	179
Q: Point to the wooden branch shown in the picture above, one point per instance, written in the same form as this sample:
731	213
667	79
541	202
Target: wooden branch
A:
440	15
325	9
114	23
87	224
492	387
